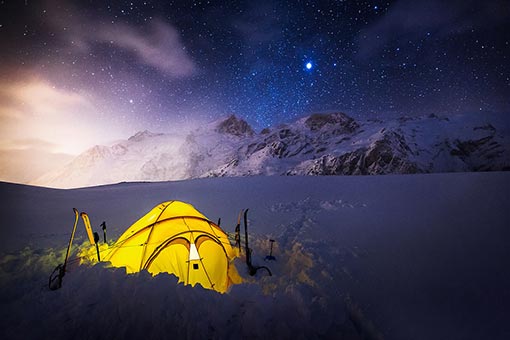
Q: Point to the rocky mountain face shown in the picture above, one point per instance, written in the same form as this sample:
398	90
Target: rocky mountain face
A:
235	126
320	144
388	155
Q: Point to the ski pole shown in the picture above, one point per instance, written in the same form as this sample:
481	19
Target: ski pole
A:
270	257
96	238
103	225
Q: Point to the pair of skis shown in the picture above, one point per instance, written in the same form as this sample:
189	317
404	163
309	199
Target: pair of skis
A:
55	280
252	270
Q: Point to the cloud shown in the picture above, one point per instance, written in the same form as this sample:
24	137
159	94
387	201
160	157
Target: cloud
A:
30	132
36	115
23	166
36	98
160	47
412	19
157	44
27	143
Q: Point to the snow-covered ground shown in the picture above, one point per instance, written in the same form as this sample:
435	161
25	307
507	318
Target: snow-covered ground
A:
404	257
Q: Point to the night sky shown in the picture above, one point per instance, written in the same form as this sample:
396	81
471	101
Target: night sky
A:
74	74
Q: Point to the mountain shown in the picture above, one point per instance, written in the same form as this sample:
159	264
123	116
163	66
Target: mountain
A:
319	144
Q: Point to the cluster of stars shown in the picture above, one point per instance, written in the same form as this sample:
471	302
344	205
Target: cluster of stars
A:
268	62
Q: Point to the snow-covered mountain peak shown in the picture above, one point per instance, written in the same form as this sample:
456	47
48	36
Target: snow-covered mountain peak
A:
93	155
235	126
141	135
338	121
319	144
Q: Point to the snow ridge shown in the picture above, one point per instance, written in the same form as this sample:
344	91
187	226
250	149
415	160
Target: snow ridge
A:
319	144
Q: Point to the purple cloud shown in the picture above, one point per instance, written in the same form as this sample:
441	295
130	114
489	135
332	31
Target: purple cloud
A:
158	44
160	47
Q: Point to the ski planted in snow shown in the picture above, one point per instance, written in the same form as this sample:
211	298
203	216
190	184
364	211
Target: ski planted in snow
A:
55	281
252	270
238	232
88	228
93	237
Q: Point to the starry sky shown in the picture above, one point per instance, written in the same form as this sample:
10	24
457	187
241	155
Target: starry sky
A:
78	73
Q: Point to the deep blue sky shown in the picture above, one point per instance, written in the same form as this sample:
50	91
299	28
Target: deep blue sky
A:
147	64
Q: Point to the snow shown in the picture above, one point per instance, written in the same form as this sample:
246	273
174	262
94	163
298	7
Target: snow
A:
320	144
404	256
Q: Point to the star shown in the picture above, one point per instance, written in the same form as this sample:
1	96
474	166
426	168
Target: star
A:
158	70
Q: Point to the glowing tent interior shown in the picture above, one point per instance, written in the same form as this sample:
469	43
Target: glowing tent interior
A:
176	238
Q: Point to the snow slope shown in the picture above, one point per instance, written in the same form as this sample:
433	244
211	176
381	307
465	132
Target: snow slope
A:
320	144
404	257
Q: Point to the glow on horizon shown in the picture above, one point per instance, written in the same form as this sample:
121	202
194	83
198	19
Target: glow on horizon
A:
52	119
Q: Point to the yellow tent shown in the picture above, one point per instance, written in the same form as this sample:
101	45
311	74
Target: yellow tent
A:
175	238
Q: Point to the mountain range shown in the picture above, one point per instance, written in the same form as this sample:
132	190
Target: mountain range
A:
318	144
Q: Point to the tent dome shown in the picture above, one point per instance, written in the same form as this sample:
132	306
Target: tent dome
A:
176	238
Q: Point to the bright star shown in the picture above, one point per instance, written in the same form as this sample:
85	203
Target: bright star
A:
308	65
